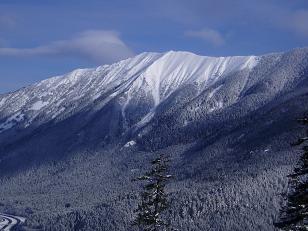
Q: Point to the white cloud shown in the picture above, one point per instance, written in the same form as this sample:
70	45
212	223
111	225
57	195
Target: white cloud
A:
97	45
212	36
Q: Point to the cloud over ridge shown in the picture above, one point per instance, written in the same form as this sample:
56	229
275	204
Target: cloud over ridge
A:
100	46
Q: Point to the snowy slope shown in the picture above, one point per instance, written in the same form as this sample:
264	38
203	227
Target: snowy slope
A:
226	123
149	75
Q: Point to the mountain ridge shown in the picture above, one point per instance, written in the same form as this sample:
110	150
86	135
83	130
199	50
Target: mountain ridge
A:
150	68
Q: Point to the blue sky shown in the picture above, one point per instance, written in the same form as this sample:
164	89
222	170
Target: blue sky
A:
43	38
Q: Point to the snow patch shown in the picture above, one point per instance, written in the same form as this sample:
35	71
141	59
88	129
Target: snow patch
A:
12	121
212	93
38	105
130	143
2	102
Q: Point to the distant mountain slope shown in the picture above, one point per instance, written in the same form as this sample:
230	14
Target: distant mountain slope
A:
226	122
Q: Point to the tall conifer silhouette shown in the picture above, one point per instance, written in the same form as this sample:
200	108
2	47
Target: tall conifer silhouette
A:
294	215
154	201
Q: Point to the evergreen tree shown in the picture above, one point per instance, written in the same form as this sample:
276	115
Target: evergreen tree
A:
150	211
294	215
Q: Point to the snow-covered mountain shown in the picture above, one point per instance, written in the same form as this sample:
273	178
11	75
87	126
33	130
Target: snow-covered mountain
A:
148	77
226	122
